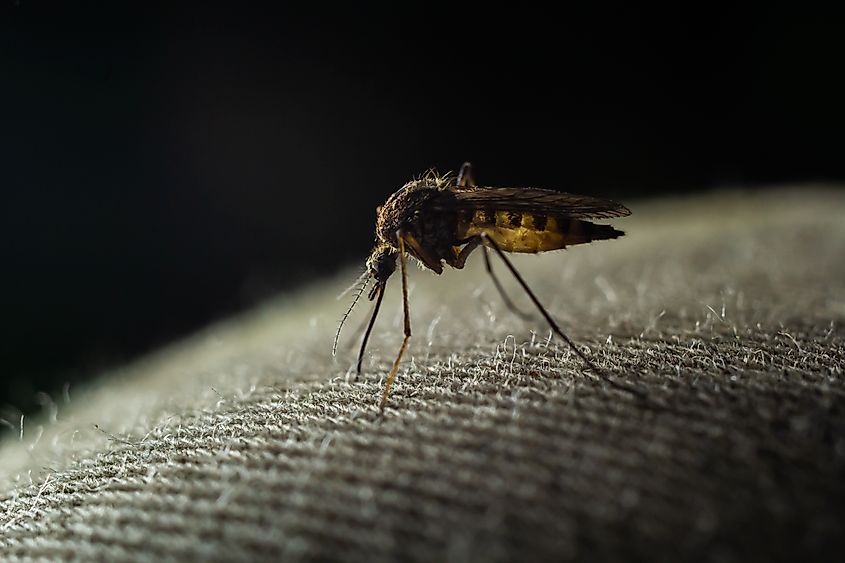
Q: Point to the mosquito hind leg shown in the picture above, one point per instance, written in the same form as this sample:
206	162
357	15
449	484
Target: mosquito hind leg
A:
490	242
508	303
458	260
628	389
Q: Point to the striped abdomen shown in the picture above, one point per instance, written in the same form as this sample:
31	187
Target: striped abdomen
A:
516	231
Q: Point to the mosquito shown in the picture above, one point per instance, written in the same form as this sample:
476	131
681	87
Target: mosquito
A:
443	218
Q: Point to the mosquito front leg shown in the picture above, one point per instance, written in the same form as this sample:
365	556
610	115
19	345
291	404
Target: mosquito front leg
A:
392	376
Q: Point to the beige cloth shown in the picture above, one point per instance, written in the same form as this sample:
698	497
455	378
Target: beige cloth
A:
250	442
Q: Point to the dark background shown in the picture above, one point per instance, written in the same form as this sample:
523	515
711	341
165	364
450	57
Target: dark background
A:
164	167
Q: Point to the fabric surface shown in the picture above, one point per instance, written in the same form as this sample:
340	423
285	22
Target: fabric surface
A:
250	442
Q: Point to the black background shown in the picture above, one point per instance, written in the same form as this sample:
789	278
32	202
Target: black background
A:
166	166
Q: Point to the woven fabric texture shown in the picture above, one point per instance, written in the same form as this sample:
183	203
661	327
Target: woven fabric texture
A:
250	442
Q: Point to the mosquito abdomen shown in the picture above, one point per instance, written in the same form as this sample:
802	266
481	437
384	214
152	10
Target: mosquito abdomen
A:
516	231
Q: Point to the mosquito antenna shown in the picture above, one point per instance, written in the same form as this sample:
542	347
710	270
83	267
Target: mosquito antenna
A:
363	281
380	291
354	284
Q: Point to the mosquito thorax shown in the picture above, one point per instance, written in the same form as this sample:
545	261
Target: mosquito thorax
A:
403	207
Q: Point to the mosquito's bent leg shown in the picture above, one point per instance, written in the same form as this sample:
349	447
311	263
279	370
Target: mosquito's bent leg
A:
465	179
460	258
407	327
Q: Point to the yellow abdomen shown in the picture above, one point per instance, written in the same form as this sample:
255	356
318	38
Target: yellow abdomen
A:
515	231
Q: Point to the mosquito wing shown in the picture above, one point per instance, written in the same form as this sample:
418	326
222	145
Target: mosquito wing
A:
532	200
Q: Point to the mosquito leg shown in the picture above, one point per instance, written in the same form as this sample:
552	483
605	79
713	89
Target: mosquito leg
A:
380	292
536	301
459	258
513	308
489	241
407	330
465	179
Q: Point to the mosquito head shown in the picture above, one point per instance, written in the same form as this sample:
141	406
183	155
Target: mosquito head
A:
380	265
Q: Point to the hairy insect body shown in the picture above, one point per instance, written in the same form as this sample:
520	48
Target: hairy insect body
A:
439	219
420	210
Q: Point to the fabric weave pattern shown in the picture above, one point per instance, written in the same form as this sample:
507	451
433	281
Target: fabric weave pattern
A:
248	442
